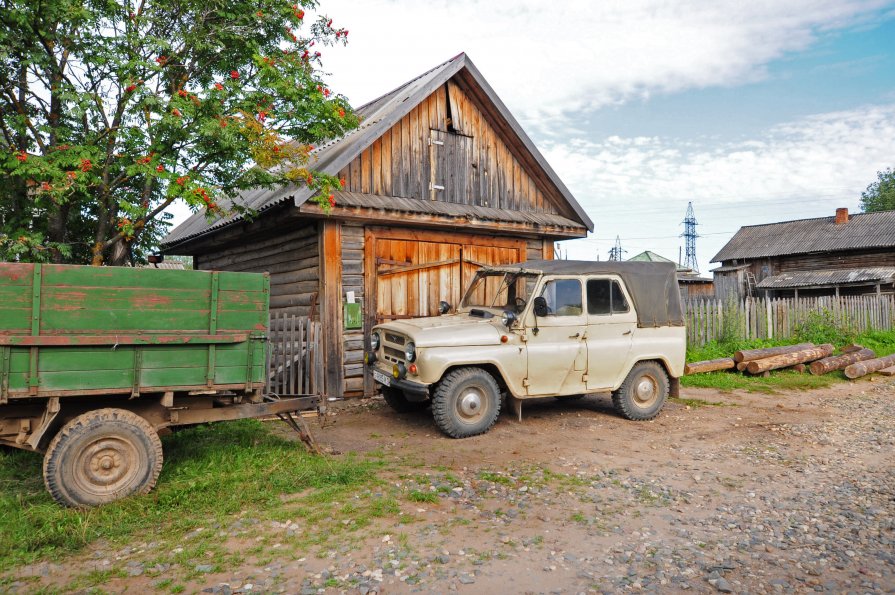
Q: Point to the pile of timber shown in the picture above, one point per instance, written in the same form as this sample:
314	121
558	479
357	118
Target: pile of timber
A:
855	360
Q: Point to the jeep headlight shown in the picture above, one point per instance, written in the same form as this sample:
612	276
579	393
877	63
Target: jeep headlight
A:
374	341
410	351
508	318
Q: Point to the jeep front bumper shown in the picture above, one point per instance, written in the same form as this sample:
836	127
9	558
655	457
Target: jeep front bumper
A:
413	391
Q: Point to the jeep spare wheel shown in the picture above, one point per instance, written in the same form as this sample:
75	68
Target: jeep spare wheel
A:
643	393
466	402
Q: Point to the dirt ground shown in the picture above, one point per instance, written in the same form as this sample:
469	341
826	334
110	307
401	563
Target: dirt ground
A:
730	492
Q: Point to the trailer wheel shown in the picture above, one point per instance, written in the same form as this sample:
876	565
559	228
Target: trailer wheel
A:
101	456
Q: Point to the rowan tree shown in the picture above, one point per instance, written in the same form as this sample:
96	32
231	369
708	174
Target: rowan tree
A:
112	110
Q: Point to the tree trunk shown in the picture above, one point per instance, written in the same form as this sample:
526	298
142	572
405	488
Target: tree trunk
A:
839	362
724	363
789	359
859	369
748	355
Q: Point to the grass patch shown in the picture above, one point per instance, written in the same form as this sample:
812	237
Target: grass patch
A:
776	382
420	496
697	403
210	473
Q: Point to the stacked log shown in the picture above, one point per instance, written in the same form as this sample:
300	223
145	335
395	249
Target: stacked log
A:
863	368
712	365
748	355
839	362
789	359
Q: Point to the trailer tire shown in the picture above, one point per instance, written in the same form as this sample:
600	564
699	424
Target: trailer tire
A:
102	456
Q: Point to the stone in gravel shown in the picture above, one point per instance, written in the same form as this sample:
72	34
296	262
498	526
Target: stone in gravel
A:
442	559
204	568
466	579
723	586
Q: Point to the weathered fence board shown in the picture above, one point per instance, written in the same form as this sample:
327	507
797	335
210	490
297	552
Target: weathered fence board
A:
711	319
295	358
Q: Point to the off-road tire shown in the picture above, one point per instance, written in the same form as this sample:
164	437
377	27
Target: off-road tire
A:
397	401
466	402
643	393
102	456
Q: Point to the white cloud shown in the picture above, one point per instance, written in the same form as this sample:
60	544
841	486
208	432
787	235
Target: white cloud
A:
548	58
802	168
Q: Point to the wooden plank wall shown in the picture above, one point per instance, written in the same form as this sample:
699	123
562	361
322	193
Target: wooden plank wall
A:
353	280
400	164
833	260
291	258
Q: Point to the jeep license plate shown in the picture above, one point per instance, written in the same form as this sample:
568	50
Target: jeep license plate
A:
382	378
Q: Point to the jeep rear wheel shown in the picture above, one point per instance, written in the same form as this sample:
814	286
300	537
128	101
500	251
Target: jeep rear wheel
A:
643	393
466	402
397	401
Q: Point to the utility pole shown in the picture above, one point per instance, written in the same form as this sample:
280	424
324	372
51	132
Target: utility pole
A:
690	236
615	253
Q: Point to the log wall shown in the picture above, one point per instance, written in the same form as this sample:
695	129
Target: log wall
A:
353	280
473	164
291	258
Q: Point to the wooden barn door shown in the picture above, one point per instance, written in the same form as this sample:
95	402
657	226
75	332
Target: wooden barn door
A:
413	275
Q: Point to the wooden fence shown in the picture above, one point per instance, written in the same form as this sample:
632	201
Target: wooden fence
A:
294	356
710	319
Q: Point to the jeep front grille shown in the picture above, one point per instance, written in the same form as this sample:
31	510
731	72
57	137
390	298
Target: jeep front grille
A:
393	355
396	339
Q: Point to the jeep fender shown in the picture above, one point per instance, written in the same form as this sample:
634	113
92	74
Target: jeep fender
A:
508	359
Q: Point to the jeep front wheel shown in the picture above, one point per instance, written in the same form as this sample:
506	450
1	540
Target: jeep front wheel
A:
643	393
466	402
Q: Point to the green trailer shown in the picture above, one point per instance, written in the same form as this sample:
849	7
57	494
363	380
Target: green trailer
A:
97	362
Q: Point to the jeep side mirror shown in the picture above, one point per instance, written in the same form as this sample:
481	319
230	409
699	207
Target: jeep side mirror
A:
443	307
540	306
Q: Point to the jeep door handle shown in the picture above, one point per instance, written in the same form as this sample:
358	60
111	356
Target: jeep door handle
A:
575	336
626	333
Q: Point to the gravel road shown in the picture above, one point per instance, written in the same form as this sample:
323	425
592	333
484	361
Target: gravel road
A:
792	492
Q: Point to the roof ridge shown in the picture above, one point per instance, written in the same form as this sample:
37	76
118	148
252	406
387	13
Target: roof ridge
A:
850	216
411	81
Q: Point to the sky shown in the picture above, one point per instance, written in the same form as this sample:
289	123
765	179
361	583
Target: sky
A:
756	111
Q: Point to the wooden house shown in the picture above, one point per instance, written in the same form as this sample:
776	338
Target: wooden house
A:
440	179
689	282
840	255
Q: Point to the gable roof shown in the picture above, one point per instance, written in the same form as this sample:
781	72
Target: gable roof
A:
861	231
377	117
650	256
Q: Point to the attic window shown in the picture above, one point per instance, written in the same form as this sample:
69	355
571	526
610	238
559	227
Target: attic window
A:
449	117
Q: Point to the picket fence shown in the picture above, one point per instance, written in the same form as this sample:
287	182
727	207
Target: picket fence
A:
709	319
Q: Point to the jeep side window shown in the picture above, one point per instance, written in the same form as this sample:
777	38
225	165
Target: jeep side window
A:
563	297
605	296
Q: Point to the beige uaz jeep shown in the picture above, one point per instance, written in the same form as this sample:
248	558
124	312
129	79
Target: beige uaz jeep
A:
553	328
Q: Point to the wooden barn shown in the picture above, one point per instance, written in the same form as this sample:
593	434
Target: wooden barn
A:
440	180
839	255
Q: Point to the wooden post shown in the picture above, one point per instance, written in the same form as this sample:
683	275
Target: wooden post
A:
789	359
331	305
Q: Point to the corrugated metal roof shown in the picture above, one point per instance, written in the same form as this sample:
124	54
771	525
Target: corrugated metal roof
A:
864	230
434	207
729	269
871	275
650	256
377	117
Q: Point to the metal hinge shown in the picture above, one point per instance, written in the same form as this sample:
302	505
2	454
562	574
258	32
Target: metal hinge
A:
436	142
435	187
525	382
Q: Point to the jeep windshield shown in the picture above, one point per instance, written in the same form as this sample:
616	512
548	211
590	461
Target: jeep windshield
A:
496	291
